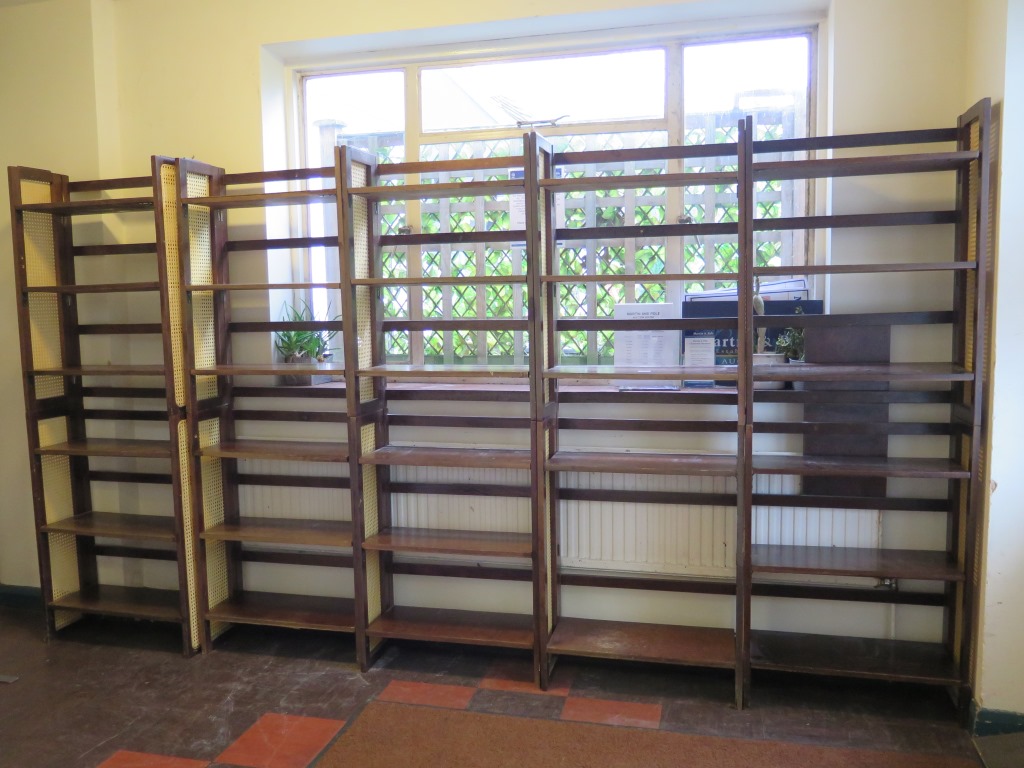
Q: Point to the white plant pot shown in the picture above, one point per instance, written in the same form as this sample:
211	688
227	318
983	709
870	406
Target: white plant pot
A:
769	358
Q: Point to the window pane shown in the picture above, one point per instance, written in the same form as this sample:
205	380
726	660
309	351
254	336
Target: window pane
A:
365	110
613	86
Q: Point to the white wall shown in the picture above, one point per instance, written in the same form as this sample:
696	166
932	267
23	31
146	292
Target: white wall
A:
94	87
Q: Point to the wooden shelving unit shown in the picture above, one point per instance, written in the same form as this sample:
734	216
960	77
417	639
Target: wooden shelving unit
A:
83	403
241	530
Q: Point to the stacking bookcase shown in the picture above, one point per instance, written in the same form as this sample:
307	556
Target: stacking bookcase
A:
104	398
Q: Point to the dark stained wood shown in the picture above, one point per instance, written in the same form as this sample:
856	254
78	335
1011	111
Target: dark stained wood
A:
638	181
667	373
930	162
435	166
454	238
645	153
279	450
498	630
269	609
857	466
451	542
906	372
262	199
292	557
855	220
444	280
107	476
848	561
284	174
101	370
848	269
465	422
304	417
400	371
293	481
278	243
264	530
271	369
428	456
853	140
631	279
113	329
105	446
643	463
116	525
218	287
94	288
128	602
441	190
897	660
88	207
103	185
647	425
678	324
462	324
114	249
645	231
659	643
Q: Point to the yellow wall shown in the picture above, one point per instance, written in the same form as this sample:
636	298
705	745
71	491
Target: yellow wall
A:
94	87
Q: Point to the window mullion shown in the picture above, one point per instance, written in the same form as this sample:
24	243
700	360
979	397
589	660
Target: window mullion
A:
674	250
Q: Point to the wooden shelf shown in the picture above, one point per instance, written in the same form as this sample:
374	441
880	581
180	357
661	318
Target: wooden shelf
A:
116	525
849	561
399	371
905	372
113	369
94	288
87	207
441	190
271	609
307	533
263	199
862	166
856	466
446	280
451	542
220	287
478	458
660	643
896	660
667	373
271	369
278	450
643	463
128	602
661	278
848	269
499	630
104	446
639	181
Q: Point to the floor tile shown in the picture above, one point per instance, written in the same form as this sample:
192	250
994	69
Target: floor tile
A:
123	759
430	694
517	704
517	677
281	741
607	712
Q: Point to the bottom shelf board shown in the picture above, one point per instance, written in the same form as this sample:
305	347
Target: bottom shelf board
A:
439	625
274	609
897	660
630	641
127	602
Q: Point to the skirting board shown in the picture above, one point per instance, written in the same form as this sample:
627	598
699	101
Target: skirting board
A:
990	722
20	597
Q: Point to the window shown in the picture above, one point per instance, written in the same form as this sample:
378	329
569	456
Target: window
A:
671	93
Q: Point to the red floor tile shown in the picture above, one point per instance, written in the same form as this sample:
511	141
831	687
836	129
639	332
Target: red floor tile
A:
123	759
281	741
448	696
612	712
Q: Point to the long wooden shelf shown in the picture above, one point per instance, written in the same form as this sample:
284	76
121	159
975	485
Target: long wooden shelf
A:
896	660
105	446
87	207
905	372
221	287
309	533
272	369
400	371
272	609
447	189
262	199
851	269
427	456
278	450
499	630
643	463
128	602
111	369
451	542
659	643
639	181
444	280
924	162
665	373
94	288
850	561
857	466
116	525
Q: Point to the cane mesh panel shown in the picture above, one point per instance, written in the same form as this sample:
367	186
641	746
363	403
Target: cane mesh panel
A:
188	527
63	573
43	309
548	438
213	514
371	523
172	270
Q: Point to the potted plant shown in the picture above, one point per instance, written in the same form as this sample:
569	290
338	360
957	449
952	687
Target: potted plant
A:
761	356
303	347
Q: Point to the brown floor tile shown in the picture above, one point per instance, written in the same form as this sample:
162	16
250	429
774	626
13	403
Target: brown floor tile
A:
430	694
281	741
517	704
517	677
122	759
607	712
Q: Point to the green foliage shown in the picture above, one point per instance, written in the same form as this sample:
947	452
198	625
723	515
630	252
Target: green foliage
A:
296	346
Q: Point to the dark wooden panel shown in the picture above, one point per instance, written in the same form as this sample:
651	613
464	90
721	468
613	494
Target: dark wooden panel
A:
451	542
279	450
849	561
643	463
105	446
857	220
100	370
313	533
665	373
638	181
857	466
129	602
645	153
332	614
853	140
501	630
853	657
478	458
116	525
103	185
271	369
87	207
922	162
95	288
661	643
905	372
115	249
